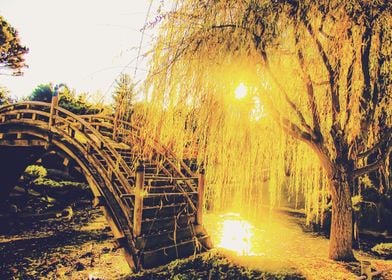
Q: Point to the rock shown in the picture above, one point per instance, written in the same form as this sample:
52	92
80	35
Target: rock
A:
13	209
105	250
87	255
79	266
67	213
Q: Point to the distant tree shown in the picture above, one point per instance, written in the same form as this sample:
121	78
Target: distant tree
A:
42	93
11	51
68	99
122	102
123	96
4	95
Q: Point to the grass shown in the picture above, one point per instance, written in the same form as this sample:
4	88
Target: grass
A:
211	265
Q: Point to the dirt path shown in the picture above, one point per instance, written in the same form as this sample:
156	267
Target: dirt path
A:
279	243
61	249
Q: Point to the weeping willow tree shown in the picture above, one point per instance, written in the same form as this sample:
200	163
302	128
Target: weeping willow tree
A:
321	70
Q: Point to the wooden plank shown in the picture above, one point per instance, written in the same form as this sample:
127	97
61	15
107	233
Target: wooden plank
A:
138	210
200	197
167	238
165	255
150	226
161	211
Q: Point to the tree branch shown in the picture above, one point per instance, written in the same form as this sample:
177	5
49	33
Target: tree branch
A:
365	58
349	82
332	74
367	169
387	138
299	114
373	166
309	88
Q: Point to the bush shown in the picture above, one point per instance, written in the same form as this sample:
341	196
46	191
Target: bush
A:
49	183
383	249
36	171
210	265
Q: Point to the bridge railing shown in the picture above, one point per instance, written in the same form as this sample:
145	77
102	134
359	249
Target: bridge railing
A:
130	132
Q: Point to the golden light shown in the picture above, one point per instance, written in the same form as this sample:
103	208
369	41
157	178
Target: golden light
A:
241	91
236	236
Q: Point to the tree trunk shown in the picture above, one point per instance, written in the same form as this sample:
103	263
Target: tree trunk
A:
340	243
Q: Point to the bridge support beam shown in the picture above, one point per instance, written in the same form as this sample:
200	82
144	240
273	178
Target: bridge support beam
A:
138	209
54	104
200	196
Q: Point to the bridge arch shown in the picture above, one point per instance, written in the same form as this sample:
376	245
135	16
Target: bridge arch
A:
33	128
25	127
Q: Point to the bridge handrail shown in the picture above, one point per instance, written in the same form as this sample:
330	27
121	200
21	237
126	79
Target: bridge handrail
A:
158	148
163	151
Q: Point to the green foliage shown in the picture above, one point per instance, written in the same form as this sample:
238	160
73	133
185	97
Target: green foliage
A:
11	51
356	201
76	104
68	99
366	181
210	265
36	171
54	186
42	93
383	249
49	183
4	96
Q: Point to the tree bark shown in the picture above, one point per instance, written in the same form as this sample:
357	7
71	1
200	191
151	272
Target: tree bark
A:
340	243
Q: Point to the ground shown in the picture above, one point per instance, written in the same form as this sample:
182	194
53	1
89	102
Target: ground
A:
61	249
83	248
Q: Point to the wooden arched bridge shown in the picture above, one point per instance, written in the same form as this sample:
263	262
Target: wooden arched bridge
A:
153	202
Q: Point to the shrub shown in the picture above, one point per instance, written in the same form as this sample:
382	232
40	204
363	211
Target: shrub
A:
36	171
383	249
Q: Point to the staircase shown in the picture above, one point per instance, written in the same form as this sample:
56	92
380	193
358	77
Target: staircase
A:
167	198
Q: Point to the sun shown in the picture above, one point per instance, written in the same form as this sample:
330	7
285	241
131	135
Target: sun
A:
241	91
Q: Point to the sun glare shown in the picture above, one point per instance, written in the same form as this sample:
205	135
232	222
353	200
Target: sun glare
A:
241	91
236	236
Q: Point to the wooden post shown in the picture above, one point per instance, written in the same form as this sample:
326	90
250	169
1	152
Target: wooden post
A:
55	103
115	125
200	196
137	211
366	269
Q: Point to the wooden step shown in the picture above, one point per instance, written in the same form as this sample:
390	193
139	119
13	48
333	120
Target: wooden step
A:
162	189
150	181
171	237
161	256
155	199
150	225
161	211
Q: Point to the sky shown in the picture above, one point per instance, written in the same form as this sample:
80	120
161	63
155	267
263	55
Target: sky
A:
83	43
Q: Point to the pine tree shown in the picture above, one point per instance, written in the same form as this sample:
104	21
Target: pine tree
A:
122	96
